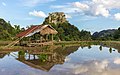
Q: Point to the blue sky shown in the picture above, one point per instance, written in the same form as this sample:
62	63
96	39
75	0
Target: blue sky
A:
90	15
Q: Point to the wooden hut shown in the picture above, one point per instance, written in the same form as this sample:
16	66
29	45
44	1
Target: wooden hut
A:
42	30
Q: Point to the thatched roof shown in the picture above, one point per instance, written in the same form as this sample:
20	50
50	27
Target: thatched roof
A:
43	29
46	66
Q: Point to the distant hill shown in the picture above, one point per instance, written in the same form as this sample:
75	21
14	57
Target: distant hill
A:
104	34
6	30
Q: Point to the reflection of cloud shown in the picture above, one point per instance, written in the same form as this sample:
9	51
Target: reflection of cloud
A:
95	68
92	67
117	61
100	66
78	69
67	59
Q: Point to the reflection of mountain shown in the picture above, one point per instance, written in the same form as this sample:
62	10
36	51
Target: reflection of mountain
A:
45	61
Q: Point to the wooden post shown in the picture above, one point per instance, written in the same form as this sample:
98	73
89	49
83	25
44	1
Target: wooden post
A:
40	38
29	57
29	40
46	37
34	56
52	37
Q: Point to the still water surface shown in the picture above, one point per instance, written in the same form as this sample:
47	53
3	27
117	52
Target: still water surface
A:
92	60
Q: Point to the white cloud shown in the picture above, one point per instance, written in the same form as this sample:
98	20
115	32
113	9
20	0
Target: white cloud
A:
68	16
91	7
3	3
117	16
117	61
101	10
32	3
81	5
38	14
108	3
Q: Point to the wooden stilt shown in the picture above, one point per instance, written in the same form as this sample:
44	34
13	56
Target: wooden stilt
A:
29	56
34	56
46	37
52	36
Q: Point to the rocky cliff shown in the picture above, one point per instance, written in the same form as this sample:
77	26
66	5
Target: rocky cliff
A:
55	17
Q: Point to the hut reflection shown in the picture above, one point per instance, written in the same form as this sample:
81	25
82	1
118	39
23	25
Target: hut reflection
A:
45	60
4	53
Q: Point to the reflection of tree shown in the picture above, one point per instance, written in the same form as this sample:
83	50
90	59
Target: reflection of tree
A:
110	50
89	47
113	45
100	48
118	51
21	55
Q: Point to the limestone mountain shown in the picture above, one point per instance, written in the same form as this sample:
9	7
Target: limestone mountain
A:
55	17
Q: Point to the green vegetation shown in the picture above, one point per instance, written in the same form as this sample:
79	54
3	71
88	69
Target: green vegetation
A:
66	32
105	35
7	32
117	34
42	57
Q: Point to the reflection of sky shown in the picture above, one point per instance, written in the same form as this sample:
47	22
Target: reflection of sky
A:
94	53
82	62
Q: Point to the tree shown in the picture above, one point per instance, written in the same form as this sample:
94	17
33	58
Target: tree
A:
85	35
117	34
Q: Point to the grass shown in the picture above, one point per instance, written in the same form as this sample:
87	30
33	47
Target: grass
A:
3	43
62	44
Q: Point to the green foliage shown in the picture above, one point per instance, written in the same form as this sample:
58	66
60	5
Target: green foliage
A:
7	32
85	35
66	32
21	52
43	57
105	35
117	34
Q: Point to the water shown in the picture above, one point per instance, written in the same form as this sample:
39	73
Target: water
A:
92	60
